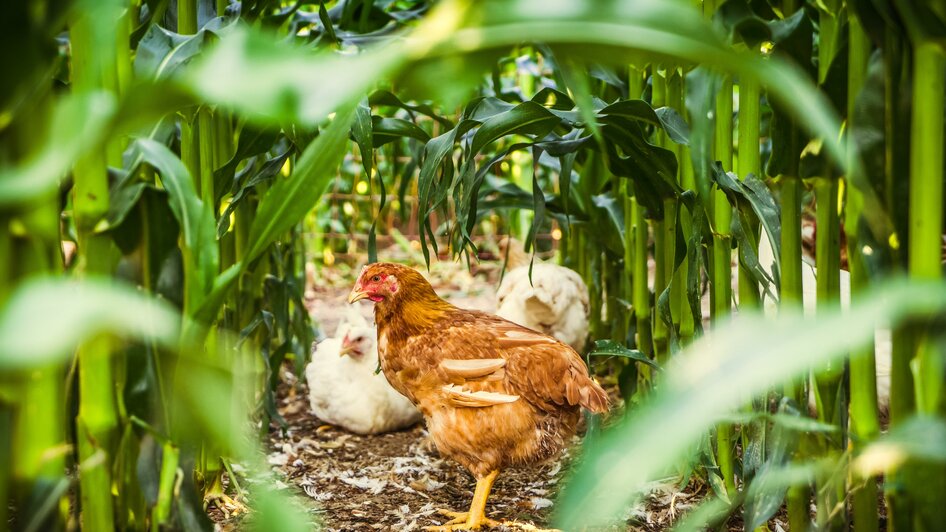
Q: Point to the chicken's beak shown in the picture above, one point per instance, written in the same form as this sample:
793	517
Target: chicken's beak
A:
347	347
357	294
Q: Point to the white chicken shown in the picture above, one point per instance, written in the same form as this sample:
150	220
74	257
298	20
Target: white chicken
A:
555	302
882	342
344	389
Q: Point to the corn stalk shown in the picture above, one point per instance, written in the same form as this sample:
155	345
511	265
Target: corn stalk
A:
864	423
97	423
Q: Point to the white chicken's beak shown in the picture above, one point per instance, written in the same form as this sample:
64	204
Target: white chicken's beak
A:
347	347
357	294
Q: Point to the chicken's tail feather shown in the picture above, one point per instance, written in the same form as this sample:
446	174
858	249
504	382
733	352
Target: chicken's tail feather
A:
594	398
583	390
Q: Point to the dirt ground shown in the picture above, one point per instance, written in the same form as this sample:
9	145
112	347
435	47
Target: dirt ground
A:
397	481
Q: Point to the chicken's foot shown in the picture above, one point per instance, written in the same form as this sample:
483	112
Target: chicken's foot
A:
476	517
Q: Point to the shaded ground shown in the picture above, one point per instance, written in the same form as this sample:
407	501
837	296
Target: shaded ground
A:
393	481
397	481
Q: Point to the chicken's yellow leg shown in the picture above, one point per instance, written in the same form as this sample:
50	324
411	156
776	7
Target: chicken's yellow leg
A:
476	517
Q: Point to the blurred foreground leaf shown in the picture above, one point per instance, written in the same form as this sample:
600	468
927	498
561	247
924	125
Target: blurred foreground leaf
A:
45	319
717	374
79	122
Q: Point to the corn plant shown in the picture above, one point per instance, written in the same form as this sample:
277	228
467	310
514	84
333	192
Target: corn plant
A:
178	147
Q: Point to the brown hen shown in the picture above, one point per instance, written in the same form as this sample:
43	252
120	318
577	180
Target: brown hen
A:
494	394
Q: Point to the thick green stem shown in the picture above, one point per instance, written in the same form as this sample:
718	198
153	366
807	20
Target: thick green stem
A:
790	263
926	480
749	163
660	334
827	257
828	378
864	425
521	219
671	211
627	273
679	306
926	205
170	457
722	260
31	401
187	17
635	84
97	421
38	434
661	275
641	291
206	147
896	128
6	466
190	138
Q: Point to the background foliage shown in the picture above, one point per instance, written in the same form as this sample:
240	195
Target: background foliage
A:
160	161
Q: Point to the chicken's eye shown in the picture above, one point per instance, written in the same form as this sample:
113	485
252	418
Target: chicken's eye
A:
376	278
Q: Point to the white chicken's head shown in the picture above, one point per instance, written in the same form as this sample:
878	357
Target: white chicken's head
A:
358	342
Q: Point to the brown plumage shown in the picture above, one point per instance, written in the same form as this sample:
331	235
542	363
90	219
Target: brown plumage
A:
494	394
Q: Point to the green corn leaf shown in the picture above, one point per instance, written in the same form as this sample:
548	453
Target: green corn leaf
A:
123	196
361	131
388	98
327	25
278	83
372	231
387	130
435	153
290	199
676	127
639	110
553	99
613	349
163	53
252	141
751	194
528	118
578	81
609	210
269	170
195	218
538	208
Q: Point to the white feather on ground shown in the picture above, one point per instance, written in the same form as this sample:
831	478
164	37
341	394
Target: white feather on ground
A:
555	302
344	389
809	274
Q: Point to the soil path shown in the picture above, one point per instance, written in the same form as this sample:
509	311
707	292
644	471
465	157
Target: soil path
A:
397	481
393	481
